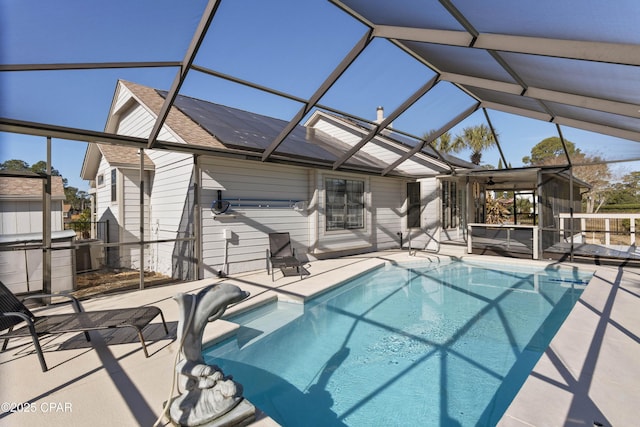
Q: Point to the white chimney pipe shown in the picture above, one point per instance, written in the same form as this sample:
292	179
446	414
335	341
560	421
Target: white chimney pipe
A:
379	115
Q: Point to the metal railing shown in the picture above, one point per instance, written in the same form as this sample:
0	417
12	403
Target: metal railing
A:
89	229
508	238
603	229
430	238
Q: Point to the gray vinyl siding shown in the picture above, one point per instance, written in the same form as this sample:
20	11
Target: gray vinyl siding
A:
130	218
139	122
107	211
171	214
245	182
25	216
388	206
103	193
169	190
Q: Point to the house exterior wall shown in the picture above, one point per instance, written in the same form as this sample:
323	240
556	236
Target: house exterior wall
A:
138	122
429	234
171	213
340	240
251	187
168	199
265	197
25	216
107	211
389	207
129	218
262	197
384	208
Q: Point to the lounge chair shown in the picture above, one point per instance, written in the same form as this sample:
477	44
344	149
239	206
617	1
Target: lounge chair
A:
13	312
281	255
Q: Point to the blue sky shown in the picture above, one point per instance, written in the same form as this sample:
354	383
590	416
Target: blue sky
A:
289	45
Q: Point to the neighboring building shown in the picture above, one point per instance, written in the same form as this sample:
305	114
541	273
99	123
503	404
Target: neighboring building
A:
365	205
21	222
22	200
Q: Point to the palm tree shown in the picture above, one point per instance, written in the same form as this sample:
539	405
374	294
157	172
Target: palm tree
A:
476	138
442	143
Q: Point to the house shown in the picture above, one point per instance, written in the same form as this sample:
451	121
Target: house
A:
327	211
385	193
21	226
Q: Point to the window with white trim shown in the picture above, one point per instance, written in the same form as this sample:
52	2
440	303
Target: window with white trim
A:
114	178
413	205
449	205
344	202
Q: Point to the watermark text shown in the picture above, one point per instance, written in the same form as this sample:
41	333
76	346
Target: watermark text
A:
37	407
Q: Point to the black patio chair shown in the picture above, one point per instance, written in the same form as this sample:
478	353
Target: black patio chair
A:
13	312
281	255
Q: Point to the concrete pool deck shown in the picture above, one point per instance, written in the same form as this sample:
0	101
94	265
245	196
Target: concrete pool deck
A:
590	373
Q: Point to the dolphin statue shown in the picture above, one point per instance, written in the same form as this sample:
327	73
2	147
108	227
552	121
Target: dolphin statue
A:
207	393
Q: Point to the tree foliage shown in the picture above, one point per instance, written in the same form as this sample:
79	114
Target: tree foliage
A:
475	138
550	151
496	210
523	205
14	165
77	199
626	192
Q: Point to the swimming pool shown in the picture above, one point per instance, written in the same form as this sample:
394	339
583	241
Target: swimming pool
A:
413	344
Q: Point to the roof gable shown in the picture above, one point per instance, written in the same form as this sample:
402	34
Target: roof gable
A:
181	124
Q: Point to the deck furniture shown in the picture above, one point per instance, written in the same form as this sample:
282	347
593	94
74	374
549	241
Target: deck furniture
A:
281	255
13	312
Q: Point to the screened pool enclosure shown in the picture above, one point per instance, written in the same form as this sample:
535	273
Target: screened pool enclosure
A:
527	72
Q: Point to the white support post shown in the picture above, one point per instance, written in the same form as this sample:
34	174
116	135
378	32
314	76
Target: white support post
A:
469	234
632	231
561	231
536	251
607	234
46	227
141	219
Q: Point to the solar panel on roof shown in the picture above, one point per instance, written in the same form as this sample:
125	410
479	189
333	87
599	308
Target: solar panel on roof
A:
237	128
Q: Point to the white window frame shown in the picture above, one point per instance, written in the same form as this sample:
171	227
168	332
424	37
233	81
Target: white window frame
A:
363	217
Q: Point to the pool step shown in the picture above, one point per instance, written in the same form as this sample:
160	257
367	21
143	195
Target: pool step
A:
265	321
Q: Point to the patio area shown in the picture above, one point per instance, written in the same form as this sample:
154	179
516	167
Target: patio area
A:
588	375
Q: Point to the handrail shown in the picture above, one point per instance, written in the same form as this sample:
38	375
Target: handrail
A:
431	237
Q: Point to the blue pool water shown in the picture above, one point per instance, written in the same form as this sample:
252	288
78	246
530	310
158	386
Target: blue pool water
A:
420	344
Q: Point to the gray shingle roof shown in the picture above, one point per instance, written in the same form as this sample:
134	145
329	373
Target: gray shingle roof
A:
27	188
